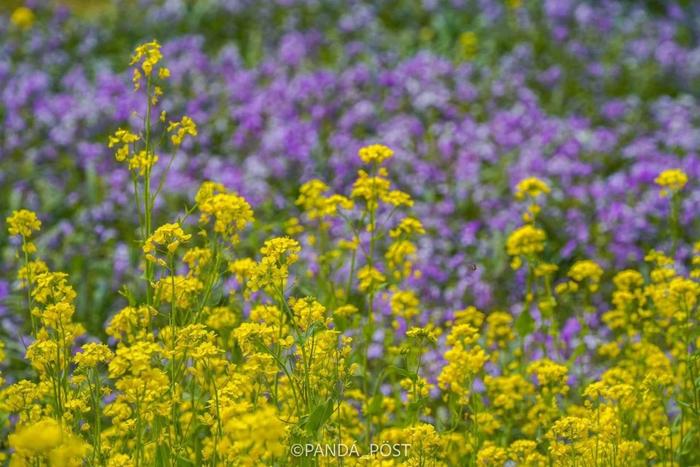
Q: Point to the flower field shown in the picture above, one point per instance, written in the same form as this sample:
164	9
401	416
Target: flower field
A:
325	232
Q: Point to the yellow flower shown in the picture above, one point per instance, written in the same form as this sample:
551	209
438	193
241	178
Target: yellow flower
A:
671	181
526	240
142	162
47	439
147	55
531	187
464	362
468	43
241	268
584	270
405	304
22	17
179	130
23	223
316	204
375	153
408	226
346	310
307	311
273	269
124	138
429	333
180	290
550	376
92	353
370	278
166	239
231	212
399	258
491	455
499	329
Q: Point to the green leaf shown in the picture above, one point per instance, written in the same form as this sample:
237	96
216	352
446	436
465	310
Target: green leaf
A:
525	324
319	416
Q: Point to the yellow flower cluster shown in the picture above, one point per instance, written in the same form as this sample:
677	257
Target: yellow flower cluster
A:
273	269
316	204
531	187
231	212
525	241
465	359
22	17
179	130
24	223
584	273
375	154
468	44
146	57
165	240
47	441
671	181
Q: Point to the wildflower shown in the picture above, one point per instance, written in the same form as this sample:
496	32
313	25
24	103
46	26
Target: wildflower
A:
375	154
293	227
197	259
582	271
242	268
166	239
135	359
468	43
551	376
469	315
524	452
491	455
527	241
507	392
254	438
408	226
346	311
399	257
464	361
47	439
53	287
23	223
249	335
123	138
142	162
272	271
531	187
671	181
92	353
147	55
22	17
429	333
371	189
316	204
307	311
179	130
370	278
405	304
29	273
179	290
131	323
499	329
231	212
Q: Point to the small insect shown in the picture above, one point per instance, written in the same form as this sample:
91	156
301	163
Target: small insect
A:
471	267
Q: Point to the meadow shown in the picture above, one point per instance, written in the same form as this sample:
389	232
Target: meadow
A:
301	232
